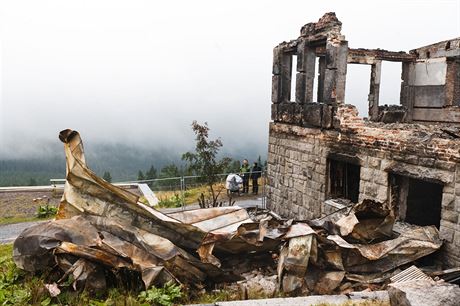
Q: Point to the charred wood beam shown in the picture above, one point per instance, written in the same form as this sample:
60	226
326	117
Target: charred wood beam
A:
370	56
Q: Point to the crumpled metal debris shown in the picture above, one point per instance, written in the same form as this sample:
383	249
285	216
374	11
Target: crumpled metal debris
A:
102	229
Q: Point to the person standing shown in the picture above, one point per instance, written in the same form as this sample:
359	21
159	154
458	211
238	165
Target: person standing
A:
256	172
245	170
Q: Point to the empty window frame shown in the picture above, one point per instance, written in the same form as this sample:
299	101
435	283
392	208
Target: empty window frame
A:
417	201
344	180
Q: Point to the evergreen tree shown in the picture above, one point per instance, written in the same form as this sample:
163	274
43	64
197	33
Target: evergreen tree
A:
140	176
107	177
233	167
151	173
170	170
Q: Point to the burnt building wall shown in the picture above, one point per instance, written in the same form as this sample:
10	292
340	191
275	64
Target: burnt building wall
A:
319	150
299	161
430	87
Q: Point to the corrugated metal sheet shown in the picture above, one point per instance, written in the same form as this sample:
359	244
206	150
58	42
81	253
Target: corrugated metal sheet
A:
411	273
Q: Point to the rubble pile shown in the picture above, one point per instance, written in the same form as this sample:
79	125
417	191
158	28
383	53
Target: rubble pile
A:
103	234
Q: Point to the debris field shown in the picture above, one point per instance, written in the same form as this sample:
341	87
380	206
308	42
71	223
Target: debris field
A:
104	236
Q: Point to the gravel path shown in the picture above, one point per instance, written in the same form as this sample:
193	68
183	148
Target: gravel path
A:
9	232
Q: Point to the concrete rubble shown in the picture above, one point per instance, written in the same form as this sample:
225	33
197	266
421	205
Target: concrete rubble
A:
103	234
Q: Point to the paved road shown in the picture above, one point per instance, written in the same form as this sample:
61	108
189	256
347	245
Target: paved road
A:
9	232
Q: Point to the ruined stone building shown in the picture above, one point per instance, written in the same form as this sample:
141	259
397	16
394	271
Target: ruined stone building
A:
407	155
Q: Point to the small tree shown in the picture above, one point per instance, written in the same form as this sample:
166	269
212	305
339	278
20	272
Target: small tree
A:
107	176
204	160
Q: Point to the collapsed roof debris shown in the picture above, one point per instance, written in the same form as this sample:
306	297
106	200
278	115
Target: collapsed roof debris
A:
103	232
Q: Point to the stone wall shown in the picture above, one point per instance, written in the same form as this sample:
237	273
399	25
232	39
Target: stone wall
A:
298	169
304	133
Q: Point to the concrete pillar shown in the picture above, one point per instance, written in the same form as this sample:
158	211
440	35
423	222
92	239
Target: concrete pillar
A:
321	76
374	90
407	95
307	68
333	90
286	73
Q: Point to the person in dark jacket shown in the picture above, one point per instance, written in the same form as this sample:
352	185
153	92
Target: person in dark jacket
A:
256	172
245	172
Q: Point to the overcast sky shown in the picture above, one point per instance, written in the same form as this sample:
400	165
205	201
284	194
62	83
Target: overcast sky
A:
141	71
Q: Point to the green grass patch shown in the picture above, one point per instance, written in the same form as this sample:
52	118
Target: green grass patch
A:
13	220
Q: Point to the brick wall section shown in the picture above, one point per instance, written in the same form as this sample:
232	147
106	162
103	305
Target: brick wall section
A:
297	166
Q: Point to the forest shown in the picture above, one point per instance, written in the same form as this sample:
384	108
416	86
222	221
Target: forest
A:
122	162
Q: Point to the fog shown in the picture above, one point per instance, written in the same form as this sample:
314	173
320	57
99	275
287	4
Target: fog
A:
139	72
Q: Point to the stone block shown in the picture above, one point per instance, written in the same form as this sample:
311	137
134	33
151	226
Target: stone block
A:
274	113
385	163
382	194
444	165
373	162
277	56
276	89
290	112
456	241
370	190
457	204
449	189
448	201
300	87
446	234
366	174
449	215
312	113
380	177
426	162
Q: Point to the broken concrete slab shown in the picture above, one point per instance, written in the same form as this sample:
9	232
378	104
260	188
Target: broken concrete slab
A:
424	293
380	297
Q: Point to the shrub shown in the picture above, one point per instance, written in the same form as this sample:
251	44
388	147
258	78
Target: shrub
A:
161	296
171	202
45	211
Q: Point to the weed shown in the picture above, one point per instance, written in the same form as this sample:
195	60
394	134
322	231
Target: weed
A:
45	211
161	296
170	202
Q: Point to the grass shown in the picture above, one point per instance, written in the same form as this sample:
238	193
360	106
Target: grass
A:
20	288
13	220
21	219
191	195
6	250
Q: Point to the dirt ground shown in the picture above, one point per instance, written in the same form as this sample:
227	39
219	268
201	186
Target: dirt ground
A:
20	204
